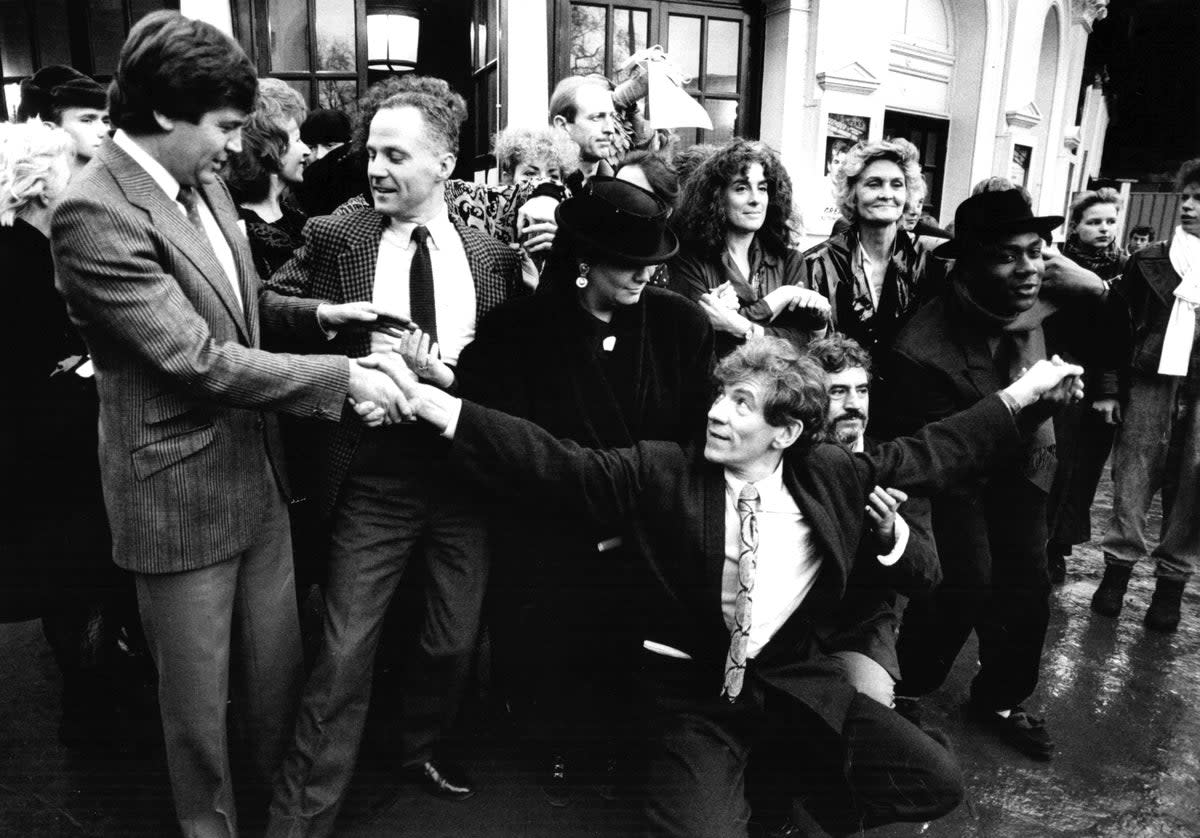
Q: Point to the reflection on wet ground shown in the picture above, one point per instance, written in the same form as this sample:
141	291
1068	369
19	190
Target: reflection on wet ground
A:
1122	703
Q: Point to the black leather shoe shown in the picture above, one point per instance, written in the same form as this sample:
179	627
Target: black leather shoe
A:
1023	731
442	780
554	782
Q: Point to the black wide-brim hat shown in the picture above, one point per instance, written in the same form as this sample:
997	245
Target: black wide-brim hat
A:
989	215
615	219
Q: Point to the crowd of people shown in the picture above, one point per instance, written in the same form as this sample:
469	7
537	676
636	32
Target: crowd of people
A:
724	509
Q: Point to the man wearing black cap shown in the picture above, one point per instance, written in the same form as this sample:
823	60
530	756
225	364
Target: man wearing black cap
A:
386	489
74	102
989	326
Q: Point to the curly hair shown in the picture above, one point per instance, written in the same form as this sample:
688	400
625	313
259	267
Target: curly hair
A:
443	110
794	385
265	141
1086	200
900	151
702	220
28	152
1188	173
180	68
514	146
837	352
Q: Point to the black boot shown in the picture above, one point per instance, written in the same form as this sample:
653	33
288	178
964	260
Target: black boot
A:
1163	613
1110	596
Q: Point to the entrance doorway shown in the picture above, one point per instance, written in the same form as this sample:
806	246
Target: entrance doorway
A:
929	135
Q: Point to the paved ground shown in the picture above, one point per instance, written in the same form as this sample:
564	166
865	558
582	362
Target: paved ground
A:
1123	705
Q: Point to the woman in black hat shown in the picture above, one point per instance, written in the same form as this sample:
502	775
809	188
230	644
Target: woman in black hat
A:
598	357
65	97
737	259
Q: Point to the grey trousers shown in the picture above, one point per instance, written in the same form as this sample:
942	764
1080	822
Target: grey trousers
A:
1158	449
190	619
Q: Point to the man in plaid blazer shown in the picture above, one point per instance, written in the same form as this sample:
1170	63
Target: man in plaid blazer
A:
387	489
160	282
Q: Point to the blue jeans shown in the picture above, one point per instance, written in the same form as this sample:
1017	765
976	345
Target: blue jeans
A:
1158	449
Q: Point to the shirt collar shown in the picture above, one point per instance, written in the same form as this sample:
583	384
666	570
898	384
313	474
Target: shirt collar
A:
440	228
143	158
771	484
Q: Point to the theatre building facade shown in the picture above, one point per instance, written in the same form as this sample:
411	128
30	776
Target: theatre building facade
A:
982	87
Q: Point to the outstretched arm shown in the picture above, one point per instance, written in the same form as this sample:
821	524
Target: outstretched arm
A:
508	456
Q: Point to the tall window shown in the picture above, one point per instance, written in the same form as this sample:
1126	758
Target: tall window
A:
313	45
710	42
486	79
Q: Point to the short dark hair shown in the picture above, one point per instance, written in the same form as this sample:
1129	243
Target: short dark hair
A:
660	174
324	126
564	101
1189	172
443	110
1142	230
180	68
794	385
837	353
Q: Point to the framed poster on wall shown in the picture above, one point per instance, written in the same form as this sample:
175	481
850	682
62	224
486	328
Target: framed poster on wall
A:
1018	171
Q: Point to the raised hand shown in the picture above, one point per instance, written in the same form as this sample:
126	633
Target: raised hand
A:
536	225
425	359
882	507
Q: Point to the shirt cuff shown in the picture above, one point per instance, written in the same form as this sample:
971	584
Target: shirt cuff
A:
902	532
453	411
330	334
1009	402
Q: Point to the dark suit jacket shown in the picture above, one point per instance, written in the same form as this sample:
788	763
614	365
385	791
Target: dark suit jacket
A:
187	452
670	503
1142	299
336	263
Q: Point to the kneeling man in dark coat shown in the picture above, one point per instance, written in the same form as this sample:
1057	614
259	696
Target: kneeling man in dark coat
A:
749	541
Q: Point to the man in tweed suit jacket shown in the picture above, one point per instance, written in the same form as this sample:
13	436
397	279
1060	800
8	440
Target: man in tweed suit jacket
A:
165	295
387	489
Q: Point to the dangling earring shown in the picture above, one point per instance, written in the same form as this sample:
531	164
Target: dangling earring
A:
581	281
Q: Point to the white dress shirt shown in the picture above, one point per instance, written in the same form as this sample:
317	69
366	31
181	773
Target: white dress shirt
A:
170	186
454	289
786	565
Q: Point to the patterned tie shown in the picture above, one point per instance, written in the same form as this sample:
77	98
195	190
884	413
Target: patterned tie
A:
420	286
190	198
735	662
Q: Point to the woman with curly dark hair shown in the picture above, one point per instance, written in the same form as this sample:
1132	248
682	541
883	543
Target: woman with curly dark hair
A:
736	259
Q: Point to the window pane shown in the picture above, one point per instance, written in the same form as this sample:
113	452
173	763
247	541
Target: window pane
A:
303	87
724	117
587	39
108	33
683	45
216	12
14	39
53	38
339	95
629	33
724	47
12	98
335	35
288	25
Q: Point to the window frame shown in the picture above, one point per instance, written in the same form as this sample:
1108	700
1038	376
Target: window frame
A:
749	92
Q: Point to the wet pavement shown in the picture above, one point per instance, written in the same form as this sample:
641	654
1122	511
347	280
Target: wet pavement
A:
1122	703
